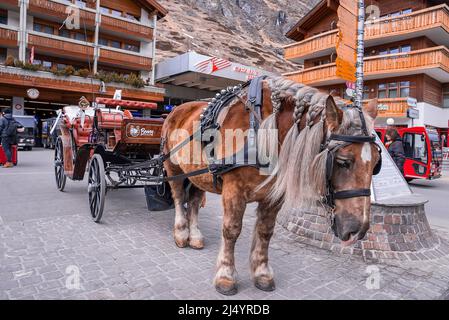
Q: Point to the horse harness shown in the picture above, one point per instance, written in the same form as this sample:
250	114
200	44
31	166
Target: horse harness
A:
332	148
210	121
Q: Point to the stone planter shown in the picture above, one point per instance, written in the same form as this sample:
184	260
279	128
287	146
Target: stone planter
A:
399	230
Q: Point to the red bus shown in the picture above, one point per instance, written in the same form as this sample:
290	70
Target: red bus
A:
423	152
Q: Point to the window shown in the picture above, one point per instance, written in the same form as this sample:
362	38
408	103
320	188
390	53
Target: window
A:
366	92
61	66
103	41
446	100
37	62
43	28
3	16
407	11
415	147
393	90
115	44
64	33
382	91
406	48
116	13
131	47
104	10
47	64
131	17
80	3
80	36
405	89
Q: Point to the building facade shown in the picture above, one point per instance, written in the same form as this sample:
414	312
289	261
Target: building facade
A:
66	49
406	56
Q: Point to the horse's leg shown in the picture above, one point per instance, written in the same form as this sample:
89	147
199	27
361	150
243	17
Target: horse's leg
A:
233	209
196	239
181	227
261	272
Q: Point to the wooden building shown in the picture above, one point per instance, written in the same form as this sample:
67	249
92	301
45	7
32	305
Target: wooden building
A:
406	55
58	45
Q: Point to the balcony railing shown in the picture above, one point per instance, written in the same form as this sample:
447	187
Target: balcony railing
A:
58	9
8	35
318	43
387	65
110	23
393	107
64	47
129	27
426	19
124	59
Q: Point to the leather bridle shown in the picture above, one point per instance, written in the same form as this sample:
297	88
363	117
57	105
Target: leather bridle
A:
335	142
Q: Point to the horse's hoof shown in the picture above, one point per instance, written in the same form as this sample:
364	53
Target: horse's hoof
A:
182	243
265	284
226	287
197	244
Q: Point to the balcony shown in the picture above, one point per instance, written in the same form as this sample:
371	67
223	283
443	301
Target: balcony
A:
394	107
57	9
8	36
431	22
68	48
125	59
432	61
47	83
121	25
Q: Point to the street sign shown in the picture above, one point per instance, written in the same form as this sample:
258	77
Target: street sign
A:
390	182
412	102
412	113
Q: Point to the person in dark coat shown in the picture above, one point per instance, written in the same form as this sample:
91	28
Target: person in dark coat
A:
395	148
8	135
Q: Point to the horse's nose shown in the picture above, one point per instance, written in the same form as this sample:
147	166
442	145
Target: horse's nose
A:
346	225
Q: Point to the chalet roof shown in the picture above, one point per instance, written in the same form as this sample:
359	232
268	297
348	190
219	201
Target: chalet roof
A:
323	7
152	6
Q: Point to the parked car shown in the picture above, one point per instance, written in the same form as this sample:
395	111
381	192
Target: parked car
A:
26	140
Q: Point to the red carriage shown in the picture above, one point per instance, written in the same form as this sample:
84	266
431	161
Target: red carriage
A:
114	146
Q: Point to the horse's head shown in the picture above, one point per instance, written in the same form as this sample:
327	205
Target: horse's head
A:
352	158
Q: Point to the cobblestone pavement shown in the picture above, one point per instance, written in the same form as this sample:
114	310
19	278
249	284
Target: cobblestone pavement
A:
132	255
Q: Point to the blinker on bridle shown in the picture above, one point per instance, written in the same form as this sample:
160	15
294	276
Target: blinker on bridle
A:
345	140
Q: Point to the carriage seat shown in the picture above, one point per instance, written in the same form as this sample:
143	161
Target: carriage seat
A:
111	119
82	133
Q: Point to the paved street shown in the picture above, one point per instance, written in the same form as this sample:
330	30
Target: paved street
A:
47	237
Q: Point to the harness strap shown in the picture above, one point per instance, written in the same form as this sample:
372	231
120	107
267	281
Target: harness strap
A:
347	194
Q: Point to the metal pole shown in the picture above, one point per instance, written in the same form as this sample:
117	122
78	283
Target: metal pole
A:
97	32
153	60
360	54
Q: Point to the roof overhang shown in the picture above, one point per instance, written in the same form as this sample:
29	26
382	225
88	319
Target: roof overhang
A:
155	7
194	70
298	31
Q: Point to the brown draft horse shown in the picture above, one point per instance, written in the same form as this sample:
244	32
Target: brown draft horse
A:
303	117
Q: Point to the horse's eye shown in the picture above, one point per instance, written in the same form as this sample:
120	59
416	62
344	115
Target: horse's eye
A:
343	163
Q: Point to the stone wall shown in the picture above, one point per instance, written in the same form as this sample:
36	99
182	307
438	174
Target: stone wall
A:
397	232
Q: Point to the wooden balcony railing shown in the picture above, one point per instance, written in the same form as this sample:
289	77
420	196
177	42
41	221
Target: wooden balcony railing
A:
394	107
127	27
63	47
311	45
426	19
117	25
123	59
8	36
56	9
388	65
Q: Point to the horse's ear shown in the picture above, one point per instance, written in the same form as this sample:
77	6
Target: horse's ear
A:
371	108
334	115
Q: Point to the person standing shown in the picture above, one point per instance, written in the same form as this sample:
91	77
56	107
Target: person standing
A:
395	148
8	135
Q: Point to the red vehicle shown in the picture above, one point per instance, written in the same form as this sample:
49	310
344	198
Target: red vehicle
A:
423	152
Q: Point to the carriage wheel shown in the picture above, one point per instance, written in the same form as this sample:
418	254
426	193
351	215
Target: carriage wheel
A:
96	187
59	166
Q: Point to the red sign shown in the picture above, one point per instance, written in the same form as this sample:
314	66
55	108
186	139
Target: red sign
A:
212	65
